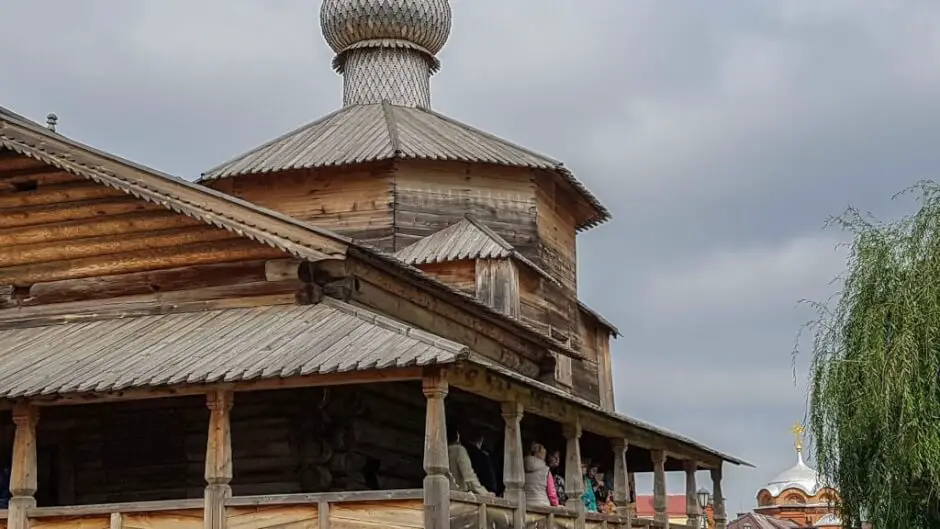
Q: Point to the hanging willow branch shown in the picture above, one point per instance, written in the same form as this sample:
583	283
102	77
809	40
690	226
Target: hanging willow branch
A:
875	377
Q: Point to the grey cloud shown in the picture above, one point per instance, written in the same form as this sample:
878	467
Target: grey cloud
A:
708	128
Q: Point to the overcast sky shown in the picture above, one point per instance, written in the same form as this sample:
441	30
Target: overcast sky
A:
721	135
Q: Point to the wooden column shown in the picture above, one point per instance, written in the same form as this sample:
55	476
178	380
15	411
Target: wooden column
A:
718	501
621	479
23	470
659	487
692	508
574	480
218	459
436	463
513	468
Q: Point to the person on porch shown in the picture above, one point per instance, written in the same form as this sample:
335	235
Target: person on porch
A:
539	483
462	476
588	498
481	461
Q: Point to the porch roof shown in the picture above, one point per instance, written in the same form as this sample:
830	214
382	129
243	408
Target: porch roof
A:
231	345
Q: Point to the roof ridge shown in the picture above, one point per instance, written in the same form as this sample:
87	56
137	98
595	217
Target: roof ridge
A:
391	125
497	238
404	329
206	175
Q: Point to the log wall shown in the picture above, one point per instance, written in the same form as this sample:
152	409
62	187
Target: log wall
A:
55	226
284	441
356	203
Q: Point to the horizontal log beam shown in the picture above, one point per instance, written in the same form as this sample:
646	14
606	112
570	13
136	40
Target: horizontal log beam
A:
480	381
200	253
10	161
110	244
58	194
149	282
183	390
90	209
210	298
80	229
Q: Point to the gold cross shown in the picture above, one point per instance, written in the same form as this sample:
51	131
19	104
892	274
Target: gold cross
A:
798	433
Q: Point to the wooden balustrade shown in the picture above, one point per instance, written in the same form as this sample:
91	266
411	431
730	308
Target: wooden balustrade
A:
395	509
469	511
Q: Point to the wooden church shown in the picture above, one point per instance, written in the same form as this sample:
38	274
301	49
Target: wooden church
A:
283	343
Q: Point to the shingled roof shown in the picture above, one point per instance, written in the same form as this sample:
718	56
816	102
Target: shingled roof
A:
214	346
369	133
467	239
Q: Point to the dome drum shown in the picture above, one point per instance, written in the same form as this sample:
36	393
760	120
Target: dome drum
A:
386	49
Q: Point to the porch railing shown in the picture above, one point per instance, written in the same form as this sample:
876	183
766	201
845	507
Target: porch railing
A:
469	511
395	509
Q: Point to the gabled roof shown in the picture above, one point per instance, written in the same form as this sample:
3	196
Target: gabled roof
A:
467	239
213	346
27	138
369	133
296	237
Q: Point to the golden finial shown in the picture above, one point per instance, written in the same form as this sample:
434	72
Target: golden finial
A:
798	433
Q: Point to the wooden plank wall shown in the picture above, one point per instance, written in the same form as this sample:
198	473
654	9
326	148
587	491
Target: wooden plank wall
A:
431	196
547	307
585	373
356	203
458	274
557	247
284	441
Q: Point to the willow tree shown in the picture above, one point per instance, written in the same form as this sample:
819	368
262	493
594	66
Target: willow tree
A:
875	376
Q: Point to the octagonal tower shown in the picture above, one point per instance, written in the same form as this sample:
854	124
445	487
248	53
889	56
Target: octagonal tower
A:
493	219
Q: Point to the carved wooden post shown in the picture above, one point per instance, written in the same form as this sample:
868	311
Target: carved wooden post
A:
574	480
513	468
218	459
621	480
718	501
659	487
436	462
23	471
692	508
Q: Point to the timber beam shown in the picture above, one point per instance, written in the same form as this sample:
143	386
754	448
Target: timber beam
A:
494	386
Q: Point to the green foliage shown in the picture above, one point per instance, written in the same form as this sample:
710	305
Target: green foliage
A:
875	376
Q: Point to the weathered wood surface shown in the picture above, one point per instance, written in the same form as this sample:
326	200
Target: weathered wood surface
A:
355	203
387	293
469	511
458	274
497	285
429	196
368	510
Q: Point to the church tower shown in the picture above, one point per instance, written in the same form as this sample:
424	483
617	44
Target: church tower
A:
486	216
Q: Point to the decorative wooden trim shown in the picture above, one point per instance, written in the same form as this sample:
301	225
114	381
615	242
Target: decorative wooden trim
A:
23	473
659	487
218	459
513	467
692	508
718	499
436	462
